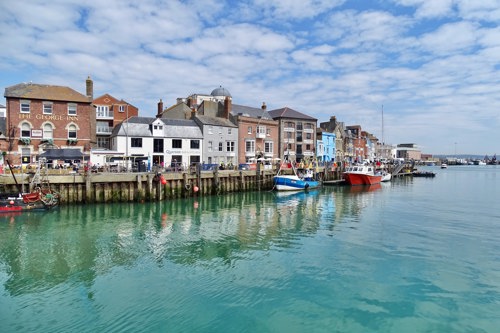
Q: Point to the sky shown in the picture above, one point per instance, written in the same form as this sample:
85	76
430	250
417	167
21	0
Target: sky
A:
408	71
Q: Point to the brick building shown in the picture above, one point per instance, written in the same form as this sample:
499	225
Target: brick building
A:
109	113
41	117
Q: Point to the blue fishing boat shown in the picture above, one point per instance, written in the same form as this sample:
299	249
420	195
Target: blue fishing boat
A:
295	182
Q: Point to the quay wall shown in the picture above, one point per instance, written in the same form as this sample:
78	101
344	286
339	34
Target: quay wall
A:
108	187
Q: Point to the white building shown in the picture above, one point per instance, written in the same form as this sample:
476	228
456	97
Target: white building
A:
159	141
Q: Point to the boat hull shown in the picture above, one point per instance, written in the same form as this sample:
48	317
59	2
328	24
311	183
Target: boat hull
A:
361	179
293	183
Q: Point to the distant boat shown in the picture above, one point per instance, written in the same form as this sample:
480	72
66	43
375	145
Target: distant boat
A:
479	162
444	166
428	174
361	175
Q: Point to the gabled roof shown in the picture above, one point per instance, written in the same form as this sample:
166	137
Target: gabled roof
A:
45	92
247	111
107	99
286	112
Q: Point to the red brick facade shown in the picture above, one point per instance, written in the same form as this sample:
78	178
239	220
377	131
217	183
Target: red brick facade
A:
43	116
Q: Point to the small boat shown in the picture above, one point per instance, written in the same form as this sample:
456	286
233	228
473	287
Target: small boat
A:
428	174
386	176
444	166
295	181
40	197
361	175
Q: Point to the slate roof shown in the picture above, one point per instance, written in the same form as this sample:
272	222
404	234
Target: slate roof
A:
286	112
45	92
173	128
248	111
215	121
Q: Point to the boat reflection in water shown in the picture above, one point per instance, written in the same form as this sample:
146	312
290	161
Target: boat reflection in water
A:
363	188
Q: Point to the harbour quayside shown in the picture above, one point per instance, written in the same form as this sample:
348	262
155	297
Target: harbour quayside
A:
296	181
40	197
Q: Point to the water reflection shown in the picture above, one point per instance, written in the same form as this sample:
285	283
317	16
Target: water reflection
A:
79	243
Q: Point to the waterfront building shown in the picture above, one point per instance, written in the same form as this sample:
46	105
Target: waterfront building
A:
408	151
212	113
258	134
338	129
41	117
159	141
325	145
297	134
110	112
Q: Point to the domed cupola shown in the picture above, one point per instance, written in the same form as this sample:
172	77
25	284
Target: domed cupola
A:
221	92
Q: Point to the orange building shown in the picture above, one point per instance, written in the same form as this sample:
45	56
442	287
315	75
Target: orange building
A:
41	117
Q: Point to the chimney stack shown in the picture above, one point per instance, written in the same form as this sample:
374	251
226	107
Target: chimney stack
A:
264	106
160	109
227	107
90	88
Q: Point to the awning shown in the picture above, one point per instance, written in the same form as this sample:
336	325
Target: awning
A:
62	154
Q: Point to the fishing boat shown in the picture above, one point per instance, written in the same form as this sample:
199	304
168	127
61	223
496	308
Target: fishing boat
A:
295	181
361	175
40	197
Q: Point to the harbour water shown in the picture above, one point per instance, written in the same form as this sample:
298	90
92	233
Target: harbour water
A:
412	255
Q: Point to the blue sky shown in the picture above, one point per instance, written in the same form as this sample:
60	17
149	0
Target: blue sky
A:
434	66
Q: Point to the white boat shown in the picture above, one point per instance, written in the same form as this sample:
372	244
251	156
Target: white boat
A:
444	166
386	176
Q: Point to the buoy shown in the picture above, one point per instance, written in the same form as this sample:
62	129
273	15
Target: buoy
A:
196	189
11	202
163	180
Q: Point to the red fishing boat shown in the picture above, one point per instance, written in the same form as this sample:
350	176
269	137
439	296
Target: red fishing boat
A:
40	197
362	175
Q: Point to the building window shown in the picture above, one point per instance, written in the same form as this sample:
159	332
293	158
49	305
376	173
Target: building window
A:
25	130
136	142
299	126
103	142
308	136
268	147
176	143
229	131
290	124
250	146
47	131
308	126
25	106
102	111
249	130
121	108
230	146
195	144
71	109
261	129
72	132
47	107
210	146
158	146
268	132
220	146
299	137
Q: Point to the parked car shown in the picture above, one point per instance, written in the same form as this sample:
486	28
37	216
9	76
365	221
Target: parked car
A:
244	166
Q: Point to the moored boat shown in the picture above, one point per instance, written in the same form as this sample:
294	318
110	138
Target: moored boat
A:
361	175
40	197
444	166
296	181
429	174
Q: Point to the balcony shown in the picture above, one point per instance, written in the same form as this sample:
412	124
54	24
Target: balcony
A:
104	114
103	130
261	135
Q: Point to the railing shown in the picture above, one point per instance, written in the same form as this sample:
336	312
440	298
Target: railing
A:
104	114
103	130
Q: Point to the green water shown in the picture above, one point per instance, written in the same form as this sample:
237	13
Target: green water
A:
413	255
